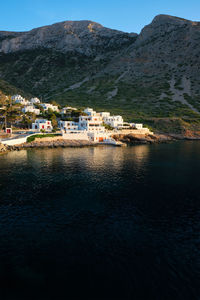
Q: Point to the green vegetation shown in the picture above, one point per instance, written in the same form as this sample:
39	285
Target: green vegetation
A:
40	136
125	78
108	127
139	101
9	89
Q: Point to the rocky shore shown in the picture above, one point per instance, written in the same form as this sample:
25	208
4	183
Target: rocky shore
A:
56	143
129	139
3	149
46	144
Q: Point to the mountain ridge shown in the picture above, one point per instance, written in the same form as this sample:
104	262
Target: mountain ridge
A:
153	74
63	36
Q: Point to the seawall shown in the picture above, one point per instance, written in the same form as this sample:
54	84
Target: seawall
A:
53	143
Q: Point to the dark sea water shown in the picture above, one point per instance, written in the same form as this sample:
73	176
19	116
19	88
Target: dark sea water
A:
101	223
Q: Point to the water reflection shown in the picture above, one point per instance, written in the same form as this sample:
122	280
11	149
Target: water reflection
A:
94	158
66	173
14	157
105	219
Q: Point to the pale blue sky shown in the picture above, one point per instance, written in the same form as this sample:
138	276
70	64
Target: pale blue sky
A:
125	15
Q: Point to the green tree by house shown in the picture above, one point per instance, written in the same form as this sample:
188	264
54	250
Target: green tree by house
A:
54	121
26	122
53	102
38	106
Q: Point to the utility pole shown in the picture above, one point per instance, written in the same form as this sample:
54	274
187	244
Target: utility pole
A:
11	113
5	120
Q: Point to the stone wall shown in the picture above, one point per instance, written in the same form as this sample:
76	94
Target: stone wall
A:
76	136
48	139
142	131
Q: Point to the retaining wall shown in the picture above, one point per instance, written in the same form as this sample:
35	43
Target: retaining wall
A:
134	131
13	142
76	136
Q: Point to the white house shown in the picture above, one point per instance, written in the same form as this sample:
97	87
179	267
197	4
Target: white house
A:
91	123
20	100
99	136
42	124
31	109
17	97
67	109
114	121
136	126
104	114
68	125
90	111
35	100
47	106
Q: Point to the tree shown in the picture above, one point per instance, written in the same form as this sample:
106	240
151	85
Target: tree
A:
53	102
3	99
54	121
77	113
26	122
38	106
107	126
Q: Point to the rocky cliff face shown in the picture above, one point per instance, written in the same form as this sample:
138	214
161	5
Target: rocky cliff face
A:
84	37
153	74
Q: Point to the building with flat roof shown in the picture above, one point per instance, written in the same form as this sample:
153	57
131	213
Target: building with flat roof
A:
42	124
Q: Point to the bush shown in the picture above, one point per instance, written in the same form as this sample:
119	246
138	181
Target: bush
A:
40	136
108	127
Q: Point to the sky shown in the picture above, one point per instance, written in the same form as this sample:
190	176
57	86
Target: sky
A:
125	15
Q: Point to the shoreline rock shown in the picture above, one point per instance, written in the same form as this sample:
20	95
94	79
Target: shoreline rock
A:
129	139
132	139
52	144
3	149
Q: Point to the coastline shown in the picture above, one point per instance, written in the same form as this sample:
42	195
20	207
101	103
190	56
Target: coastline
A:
131	139
128	139
47	144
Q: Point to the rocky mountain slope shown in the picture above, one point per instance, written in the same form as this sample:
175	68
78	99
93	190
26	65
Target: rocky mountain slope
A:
84	37
151	75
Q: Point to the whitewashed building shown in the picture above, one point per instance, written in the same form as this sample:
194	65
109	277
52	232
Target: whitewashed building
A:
98	136
91	123
68	125
31	109
137	125
65	110
42	124
17	97
20	100
35	100
89	127
114	121
47	106
104	114
90	111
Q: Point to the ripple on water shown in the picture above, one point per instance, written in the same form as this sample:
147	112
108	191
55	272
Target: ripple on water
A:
101	223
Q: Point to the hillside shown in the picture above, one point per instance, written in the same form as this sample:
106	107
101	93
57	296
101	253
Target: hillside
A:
153	76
